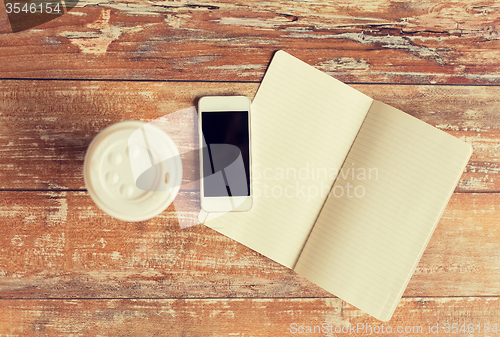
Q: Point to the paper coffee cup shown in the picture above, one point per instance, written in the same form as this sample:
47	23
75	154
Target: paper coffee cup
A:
111	163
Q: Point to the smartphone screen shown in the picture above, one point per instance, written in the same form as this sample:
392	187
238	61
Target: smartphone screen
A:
226	135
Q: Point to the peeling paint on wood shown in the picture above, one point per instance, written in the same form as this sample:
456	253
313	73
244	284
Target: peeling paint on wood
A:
102	33
238	317
424	42
85	253
62	259
66	115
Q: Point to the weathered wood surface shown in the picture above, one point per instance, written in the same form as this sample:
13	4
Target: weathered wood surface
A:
47	125
361	41
60	245
242	317
66	268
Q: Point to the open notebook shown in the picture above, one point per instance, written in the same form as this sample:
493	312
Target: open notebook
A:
347	190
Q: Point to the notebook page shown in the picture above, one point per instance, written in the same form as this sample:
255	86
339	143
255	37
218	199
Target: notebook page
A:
396	182
302	121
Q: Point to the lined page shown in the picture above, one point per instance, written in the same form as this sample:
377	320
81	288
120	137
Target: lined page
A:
303	123
396	182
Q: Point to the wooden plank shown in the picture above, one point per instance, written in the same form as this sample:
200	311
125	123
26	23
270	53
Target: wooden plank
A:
47	125
60	245
380	41
244	317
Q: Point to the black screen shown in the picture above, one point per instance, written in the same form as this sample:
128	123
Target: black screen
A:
226	158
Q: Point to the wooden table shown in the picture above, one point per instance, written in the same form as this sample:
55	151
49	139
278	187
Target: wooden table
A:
67	268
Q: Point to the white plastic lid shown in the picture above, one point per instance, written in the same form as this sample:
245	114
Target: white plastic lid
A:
109	179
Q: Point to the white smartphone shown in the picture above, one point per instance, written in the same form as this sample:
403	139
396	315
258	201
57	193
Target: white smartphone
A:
225	153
